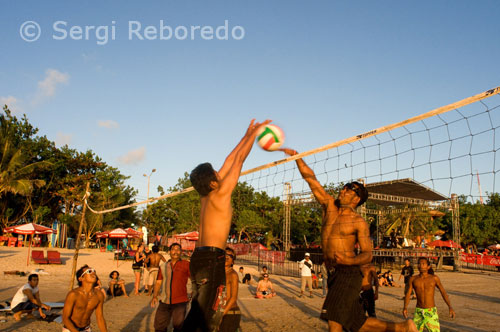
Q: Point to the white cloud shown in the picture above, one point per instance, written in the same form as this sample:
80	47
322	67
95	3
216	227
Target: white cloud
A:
133	157
47	87
63	139
13	104
110	124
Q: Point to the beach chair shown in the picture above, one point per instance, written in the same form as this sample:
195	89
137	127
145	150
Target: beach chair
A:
54	257
12	241
38	257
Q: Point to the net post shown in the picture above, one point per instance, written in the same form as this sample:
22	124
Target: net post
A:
456	231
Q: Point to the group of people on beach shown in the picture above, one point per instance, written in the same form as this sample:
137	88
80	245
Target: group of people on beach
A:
213	305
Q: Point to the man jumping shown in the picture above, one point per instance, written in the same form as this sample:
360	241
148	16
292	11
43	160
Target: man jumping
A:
342	229
208	259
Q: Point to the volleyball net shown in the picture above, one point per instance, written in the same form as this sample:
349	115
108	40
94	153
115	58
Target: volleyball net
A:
450	150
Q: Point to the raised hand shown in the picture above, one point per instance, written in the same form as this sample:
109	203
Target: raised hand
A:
288	151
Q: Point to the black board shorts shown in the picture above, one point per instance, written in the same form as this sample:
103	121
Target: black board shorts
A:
342	304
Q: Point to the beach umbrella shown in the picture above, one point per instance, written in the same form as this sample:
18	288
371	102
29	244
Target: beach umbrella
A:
494	247
27	229
191	236
441	243
117	233
132	233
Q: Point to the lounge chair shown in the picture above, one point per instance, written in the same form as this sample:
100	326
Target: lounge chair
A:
54	257
38	257
12	241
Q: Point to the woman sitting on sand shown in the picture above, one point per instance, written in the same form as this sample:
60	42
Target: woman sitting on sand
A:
116	285
265	288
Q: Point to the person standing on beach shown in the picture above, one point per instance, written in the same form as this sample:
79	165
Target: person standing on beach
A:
208	259
27	299
170	291
342	229
424	284
305	267
231	315
368	296
153	266
407	273
81	302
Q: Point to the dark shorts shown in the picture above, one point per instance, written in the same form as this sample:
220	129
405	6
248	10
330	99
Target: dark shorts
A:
28	305
209	280
117	290
342	304
368	299
231	321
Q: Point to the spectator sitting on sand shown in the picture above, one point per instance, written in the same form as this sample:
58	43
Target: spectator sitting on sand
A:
265	288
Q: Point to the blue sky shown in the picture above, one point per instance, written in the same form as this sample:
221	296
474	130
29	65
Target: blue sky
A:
322	70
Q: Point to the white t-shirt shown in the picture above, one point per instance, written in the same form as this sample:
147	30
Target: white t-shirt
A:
21	297
304	269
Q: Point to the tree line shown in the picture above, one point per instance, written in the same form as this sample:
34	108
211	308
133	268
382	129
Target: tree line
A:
40	183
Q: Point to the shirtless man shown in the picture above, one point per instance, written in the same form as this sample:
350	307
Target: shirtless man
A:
208	259
424	284
342	228
265	288
81	302
367	295
231	315
153	265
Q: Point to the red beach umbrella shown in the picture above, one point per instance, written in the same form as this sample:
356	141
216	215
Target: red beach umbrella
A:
27	229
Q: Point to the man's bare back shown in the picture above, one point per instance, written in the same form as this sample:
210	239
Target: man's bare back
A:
216	211
369	276
155	259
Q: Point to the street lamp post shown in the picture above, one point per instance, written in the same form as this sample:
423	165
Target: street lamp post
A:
149	176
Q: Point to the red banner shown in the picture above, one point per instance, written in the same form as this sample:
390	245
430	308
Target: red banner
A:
480	259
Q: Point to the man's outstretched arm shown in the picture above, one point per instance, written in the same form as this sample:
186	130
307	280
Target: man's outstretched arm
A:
230	171
308	174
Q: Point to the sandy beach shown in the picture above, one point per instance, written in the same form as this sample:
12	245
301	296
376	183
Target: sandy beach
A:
475	297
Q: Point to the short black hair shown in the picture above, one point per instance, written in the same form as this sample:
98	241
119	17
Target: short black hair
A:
174	244
233	254
264	267
201	177
241	267
79	273
117	274
407	259
31	276
430	271
155	249
362	193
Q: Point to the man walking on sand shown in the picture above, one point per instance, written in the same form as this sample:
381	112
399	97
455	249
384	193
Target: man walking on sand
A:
368	296
81	302
208	259
152	263
424	284
342	229
170	291
27	299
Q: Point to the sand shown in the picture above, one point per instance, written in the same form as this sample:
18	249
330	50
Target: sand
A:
475	297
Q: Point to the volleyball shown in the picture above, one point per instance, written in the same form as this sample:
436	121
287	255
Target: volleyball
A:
270	137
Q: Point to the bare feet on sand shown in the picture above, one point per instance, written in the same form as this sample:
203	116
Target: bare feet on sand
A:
17	316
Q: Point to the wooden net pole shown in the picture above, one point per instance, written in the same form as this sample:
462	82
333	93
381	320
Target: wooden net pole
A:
77	245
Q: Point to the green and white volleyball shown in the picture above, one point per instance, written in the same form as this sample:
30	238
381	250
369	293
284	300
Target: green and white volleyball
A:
270	137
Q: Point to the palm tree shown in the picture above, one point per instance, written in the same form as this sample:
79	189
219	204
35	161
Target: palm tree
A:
15	176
